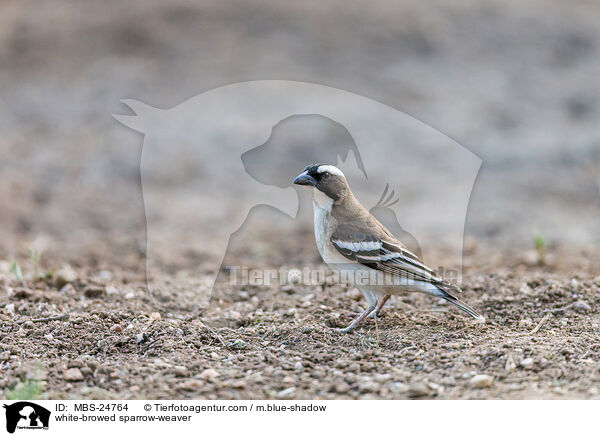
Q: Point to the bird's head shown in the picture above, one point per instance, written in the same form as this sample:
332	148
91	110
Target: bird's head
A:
328	179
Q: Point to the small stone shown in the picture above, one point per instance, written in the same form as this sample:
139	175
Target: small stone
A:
86	371
73	374
111	290
481	381
341	388
68	289
93	292
209	374
527	363
368	387
510	364
10	308
525	289
298	367
289	380
581	306
140	337
49	337
155	316
64	275
181	371
5	355
130	295
286	393
288	289
105	275
239	384
190	385
418	390
116	328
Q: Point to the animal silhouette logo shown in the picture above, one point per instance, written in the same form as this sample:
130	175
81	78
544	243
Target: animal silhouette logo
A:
207	162
26	415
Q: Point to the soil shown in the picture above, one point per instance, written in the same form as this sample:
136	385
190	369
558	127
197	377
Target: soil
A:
261	342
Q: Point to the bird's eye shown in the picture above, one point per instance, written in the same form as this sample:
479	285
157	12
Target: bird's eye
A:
325	174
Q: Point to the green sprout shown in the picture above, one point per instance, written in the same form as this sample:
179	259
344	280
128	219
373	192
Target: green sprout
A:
27	390
15	268
35	259
541	246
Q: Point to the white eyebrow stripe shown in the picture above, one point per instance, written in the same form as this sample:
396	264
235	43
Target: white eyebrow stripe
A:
330	169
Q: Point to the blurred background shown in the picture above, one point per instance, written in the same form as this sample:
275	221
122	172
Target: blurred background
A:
515	82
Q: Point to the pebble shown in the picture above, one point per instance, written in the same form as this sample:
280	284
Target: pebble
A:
155	316
286	393
116	328
93	292
190	385
5	355
288	289
418	390
298	367
64	275
368	387
105	275
341	388
181	371
111	290
10	308
238	384
73	374
209	374
527	362
481	381
581	306
525	289
510	364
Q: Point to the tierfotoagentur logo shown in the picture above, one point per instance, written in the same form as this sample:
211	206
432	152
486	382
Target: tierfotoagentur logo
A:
25	415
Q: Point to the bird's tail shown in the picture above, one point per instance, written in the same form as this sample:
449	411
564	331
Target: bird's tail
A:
463	306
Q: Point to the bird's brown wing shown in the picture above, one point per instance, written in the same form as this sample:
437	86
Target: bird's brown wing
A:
383	253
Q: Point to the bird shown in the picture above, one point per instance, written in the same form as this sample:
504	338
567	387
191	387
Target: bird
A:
352	241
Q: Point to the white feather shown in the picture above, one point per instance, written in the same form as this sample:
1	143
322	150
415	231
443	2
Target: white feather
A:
359	246
330	169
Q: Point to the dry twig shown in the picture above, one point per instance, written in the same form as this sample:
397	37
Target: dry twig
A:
47	319
543	321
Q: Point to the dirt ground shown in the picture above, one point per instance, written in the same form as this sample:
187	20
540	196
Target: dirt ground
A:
281	342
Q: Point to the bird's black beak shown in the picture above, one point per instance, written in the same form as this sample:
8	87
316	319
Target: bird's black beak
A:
305	179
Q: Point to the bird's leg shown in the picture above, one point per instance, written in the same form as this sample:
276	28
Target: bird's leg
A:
380	305
362	316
